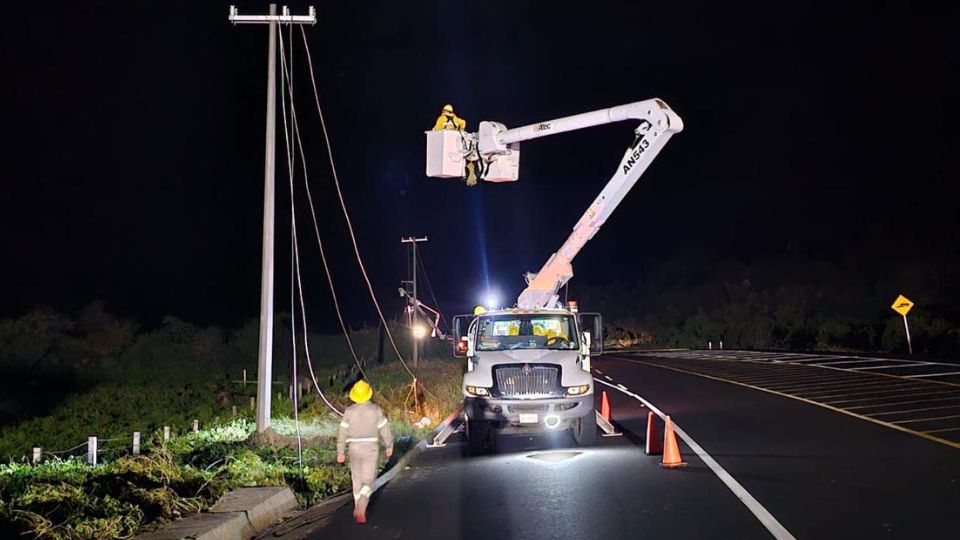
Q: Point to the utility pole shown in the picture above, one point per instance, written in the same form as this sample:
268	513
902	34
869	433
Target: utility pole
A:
415	328
265	356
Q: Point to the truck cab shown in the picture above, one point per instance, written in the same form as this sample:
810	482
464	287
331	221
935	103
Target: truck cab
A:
528	370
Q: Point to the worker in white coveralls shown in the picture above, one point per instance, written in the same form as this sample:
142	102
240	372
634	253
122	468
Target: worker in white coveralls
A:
361	424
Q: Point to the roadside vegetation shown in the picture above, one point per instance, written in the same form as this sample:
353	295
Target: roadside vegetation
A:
97	375
791	302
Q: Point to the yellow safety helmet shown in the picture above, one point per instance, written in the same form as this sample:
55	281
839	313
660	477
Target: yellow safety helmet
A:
361	392
448	109
479	310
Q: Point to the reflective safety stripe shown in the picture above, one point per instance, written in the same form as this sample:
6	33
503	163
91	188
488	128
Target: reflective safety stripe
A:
344	424
382	423
362	439
365	491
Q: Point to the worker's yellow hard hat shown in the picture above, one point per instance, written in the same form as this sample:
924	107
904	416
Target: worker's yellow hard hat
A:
448	108
479	309
361	392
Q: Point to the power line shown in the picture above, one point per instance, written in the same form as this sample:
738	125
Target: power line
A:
316	229
287	81
293	228
346	215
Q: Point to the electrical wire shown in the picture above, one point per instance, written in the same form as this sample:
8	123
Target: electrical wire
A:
286	81
316	229
296	249
346	215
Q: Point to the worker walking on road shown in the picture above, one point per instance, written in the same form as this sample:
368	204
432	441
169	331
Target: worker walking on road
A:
361	424
449	120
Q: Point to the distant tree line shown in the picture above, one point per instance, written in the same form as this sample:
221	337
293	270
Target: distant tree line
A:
790	303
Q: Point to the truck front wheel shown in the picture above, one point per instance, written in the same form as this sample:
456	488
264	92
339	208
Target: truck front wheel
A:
478	436
585	430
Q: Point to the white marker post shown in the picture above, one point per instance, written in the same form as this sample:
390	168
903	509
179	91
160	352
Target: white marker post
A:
166	433
136	443
37	452
92	451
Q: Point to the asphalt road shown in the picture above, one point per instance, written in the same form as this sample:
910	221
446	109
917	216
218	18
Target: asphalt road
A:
821	473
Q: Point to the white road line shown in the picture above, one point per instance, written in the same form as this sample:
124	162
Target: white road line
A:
933	375
607	377
906	363
622	387
765	517
858	361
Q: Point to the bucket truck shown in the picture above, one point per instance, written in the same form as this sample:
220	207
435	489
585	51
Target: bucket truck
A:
528	367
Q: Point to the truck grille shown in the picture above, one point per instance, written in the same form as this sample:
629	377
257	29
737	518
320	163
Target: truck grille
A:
527	381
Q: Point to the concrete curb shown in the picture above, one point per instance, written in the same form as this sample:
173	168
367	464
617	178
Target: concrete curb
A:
241	513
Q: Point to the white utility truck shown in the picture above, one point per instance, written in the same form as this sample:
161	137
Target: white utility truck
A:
528	367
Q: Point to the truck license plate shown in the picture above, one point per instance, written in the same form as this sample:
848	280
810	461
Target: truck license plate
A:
529	418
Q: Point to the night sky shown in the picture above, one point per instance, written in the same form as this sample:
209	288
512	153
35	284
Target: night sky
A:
132	157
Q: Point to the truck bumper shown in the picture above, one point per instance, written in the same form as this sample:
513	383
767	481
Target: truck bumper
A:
551	414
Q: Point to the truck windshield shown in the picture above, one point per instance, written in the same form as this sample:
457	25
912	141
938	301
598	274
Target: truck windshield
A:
535	331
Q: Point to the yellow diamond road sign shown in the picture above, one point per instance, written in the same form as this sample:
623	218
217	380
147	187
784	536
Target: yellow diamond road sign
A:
902	305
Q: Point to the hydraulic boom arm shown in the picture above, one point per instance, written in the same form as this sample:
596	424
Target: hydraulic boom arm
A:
657	124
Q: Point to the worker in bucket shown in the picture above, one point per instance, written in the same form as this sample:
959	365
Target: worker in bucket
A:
361	424
449	120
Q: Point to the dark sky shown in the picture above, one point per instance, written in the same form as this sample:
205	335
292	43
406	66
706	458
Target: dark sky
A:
131	166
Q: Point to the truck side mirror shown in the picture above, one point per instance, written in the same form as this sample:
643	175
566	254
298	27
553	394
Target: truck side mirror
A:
460	325
592	324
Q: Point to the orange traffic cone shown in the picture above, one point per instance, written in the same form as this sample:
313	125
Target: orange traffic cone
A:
654	435
671	451
604	406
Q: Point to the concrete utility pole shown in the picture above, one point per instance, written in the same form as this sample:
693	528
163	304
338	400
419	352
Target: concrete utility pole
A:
265	357
414	319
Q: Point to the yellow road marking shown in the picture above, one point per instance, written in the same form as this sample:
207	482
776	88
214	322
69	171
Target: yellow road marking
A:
924	435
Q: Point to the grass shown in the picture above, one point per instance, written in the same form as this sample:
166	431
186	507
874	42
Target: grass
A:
125	494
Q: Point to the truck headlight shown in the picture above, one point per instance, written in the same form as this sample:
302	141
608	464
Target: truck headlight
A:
478	391
577	390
